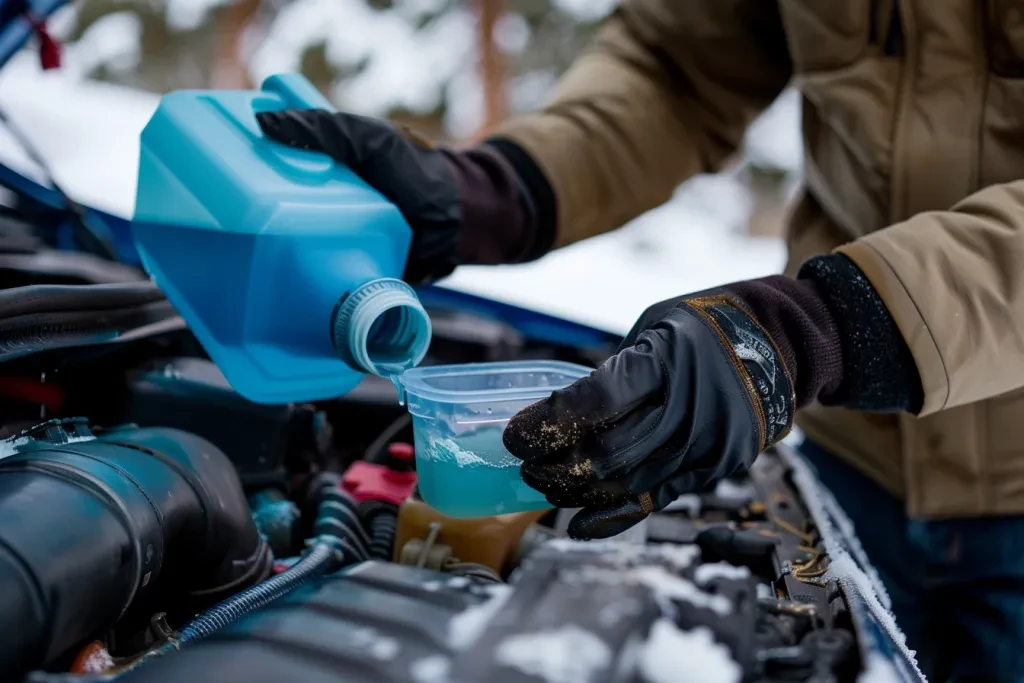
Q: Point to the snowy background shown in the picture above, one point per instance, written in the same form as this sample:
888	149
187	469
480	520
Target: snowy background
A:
415	58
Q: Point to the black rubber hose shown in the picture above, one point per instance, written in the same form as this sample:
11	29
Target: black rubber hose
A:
376	451
93	530
383	529
36	332
326	555
337	515
62	298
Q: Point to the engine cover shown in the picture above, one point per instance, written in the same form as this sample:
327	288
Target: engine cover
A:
574	613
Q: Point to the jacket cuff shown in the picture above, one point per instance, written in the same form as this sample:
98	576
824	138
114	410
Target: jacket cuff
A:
879	372
835	336
794	316
498	222
536	190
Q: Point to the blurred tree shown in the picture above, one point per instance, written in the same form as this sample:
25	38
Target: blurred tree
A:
450	69
453	66
492	64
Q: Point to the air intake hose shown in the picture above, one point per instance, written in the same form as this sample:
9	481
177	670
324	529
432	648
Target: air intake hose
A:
92	529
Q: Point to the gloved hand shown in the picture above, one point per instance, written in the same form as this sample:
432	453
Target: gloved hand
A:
704	383
463	206
697	390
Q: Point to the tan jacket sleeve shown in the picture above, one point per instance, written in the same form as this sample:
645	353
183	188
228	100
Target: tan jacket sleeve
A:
954	283
665	92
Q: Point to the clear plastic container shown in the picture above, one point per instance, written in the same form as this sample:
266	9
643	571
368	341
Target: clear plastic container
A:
459	413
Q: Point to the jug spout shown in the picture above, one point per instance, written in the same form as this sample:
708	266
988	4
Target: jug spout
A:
381	328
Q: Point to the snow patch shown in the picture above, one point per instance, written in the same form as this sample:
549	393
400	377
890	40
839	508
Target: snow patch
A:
586	10
729	490
720	570
688	503
113	41
664	586
624	554
569	654
878	669
433	669
671	655
379	646
617	610
667	585
10	447
671	250
188	15
466	627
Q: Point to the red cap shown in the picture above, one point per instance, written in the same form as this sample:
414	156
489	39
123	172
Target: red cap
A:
367	481
401	451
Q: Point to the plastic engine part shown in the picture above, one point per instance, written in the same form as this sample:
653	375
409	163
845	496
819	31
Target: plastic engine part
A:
93	530
262	441
574	612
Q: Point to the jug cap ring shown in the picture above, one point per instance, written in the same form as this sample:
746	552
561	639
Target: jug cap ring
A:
381	328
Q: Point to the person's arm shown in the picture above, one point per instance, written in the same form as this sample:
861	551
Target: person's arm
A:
665	92
953	281
924	315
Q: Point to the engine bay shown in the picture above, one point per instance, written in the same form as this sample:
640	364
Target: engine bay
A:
155	526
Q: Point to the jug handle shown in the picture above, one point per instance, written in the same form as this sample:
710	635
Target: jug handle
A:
296	91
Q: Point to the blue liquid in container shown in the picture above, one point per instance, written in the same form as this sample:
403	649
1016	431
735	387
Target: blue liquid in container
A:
459	413
285	264
472	476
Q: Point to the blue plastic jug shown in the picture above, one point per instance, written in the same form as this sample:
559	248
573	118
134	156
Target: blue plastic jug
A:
285	264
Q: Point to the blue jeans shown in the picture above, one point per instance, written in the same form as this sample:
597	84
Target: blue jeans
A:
957	586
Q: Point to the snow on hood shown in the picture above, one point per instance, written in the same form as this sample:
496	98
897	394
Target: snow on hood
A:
568	654
850	568
670	655
86	132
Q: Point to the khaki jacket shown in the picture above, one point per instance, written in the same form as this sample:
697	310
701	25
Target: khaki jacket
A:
914	142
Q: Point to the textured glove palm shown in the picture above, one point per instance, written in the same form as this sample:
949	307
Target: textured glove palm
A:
696	391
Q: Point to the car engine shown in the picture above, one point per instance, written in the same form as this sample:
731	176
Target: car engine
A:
157	527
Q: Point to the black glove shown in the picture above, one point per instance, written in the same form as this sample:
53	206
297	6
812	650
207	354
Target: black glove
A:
697	391
464	206
703	384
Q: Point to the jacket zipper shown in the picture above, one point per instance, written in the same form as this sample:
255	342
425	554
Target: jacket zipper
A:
899	199
873	22
894	35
